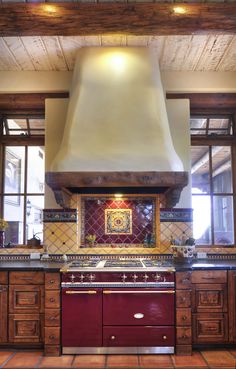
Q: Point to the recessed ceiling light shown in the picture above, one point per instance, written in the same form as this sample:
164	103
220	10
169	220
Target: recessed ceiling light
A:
179	10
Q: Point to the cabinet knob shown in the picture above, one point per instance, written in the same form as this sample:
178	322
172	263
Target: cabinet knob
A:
184	337
164	338
52	281
52	318
51	337
52	299
184	317
113	337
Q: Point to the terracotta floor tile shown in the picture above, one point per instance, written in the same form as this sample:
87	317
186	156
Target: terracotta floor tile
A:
64	361
24	360
219	358
86	361
4	355
155	361
117	361
194	361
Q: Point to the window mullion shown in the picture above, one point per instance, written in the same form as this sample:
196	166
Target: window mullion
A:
25	193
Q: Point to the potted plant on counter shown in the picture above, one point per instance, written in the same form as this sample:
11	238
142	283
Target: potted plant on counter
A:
3	226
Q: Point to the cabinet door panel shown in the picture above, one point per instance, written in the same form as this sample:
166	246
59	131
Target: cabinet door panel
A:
25	328
26	299
212	297
210	328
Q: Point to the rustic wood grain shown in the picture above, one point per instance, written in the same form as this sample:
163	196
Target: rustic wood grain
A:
207	100
32	19
23	102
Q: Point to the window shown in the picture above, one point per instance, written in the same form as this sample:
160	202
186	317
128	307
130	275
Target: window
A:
212	180
22	190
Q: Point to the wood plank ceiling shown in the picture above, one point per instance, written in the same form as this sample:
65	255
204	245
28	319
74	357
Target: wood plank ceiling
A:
209	51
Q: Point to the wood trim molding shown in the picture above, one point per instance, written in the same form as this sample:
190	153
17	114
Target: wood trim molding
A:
68	19
204	101
64	184
23	103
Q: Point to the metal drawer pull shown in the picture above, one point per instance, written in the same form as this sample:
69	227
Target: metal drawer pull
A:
138	315
106	292
81	292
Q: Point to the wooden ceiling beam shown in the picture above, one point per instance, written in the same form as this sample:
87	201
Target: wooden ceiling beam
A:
23	103
200	101
68	19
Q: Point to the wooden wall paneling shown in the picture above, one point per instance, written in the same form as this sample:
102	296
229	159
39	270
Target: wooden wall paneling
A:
55	53
7	60
38	53
228	61
70	46
215	46
137	40
21	56
115	40
104	18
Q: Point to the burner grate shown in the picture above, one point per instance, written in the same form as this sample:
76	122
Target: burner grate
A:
84	263
123	263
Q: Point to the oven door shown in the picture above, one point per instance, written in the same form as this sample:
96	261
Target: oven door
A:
138	306
81	317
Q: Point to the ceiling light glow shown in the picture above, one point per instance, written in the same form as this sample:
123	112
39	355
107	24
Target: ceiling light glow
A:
179	10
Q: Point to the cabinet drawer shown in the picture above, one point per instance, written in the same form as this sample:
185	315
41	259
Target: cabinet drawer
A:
25	328
183	280
209	276
3	278
183	298
26	299
26	278
210	328
52	317
52	335
183	317
184	335
52	281
52	299
138	336
211	297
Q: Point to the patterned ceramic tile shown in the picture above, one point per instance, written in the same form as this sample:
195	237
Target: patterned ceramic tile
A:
60	215
176	215
61	237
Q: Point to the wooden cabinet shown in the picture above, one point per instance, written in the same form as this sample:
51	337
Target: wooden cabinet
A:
52	314
26	307
3	306
232	305
183	313
210	306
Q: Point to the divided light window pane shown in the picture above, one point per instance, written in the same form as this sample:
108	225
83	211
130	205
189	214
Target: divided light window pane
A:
200	169
223	220
14	171
35	178
34	217
221	169
202	219
13	213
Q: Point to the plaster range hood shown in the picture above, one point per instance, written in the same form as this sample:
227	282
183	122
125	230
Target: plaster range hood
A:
117	134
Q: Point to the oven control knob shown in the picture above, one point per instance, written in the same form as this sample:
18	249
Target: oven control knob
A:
91	277
124	277
157	277
134	277
72	278
145	277
81	277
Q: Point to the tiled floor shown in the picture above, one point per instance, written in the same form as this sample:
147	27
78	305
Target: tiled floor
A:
215	359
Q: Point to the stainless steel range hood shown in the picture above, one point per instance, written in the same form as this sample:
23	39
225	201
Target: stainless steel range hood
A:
117	132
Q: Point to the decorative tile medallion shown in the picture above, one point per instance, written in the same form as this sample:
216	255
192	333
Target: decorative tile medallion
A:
176	215
60	215
118	221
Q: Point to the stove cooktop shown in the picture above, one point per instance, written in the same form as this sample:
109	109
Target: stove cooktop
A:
123	263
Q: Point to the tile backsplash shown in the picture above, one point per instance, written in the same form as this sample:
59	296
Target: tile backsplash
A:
131	225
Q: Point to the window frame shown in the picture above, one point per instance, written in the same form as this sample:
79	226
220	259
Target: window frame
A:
24	141
218	140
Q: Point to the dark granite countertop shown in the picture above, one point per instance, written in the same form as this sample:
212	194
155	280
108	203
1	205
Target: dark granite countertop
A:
55	266
32	265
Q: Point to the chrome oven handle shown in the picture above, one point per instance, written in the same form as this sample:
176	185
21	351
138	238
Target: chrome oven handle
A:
108	292
87	292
